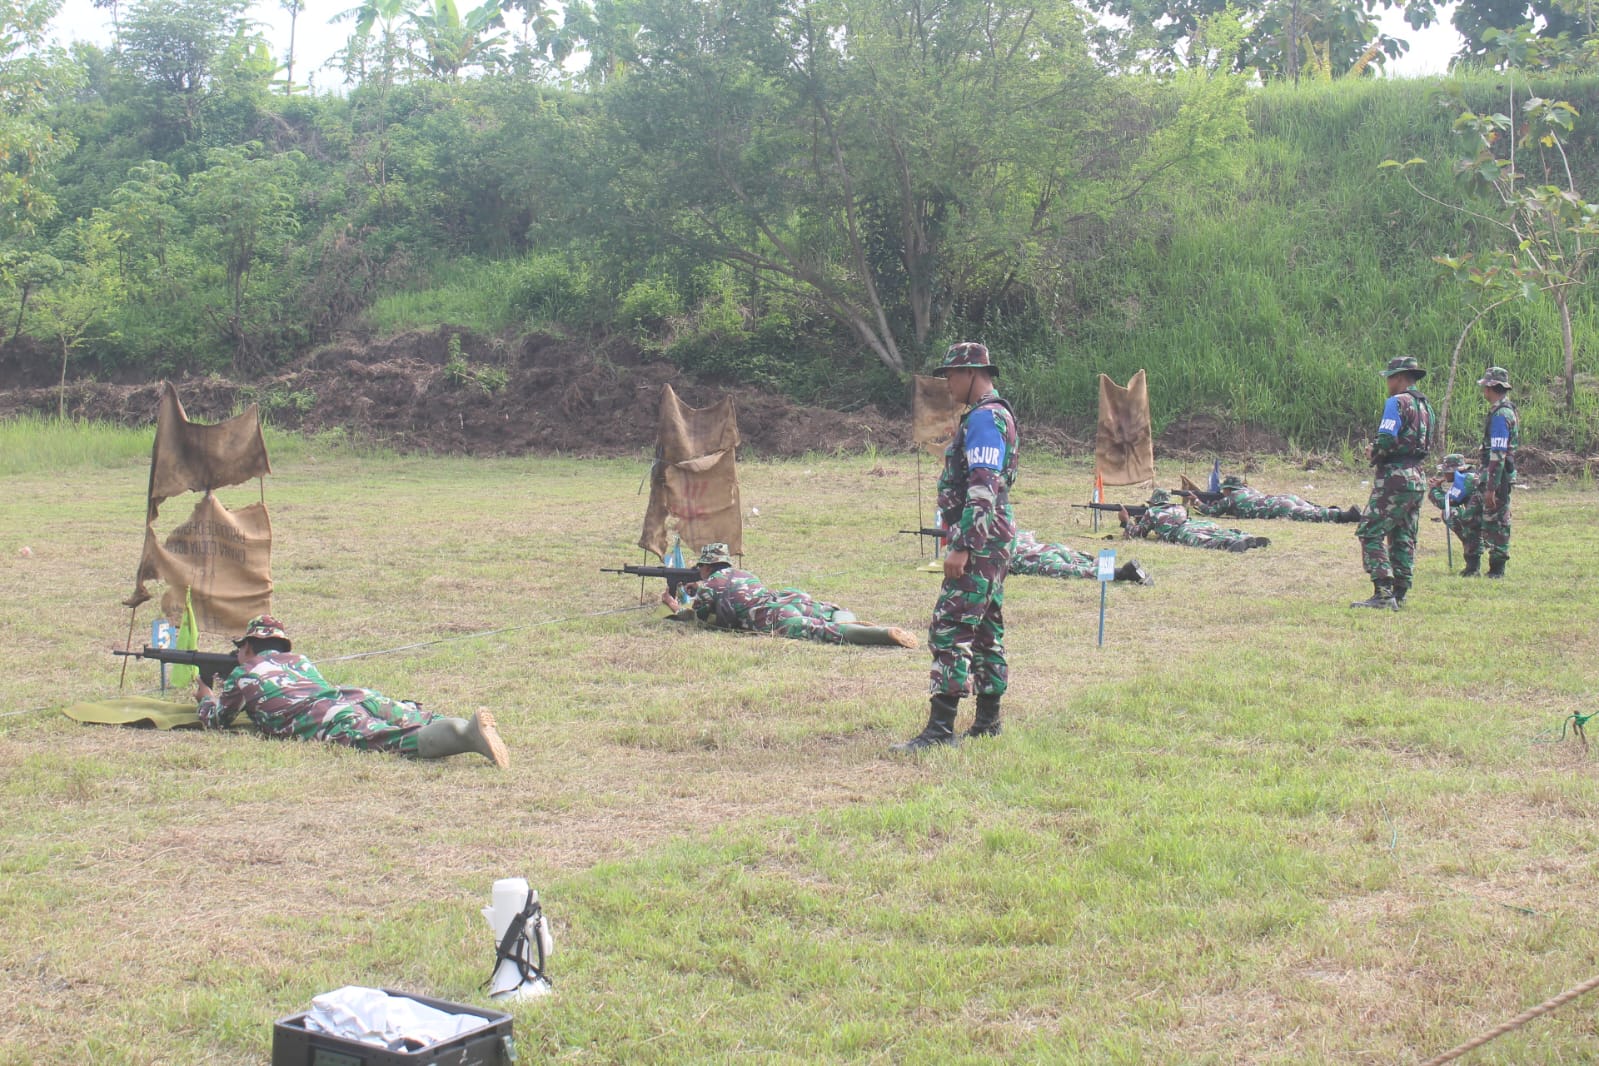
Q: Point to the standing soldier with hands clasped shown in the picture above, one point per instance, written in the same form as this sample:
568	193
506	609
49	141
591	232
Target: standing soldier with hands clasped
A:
968	631
1387	530
1501	434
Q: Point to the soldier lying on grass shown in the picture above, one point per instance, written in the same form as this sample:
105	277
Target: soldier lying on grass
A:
285	696
1238	500
727	598
1169	521
1034	558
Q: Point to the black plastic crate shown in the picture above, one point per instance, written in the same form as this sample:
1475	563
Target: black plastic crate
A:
295	1045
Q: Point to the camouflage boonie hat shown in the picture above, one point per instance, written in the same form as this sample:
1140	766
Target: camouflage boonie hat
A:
1496	376
1451	462
1159	498
1404	364
264	627
715	555
1232	481
967	354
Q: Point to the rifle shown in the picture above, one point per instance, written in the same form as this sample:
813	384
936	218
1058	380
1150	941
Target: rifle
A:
676	576
211	664
1133	510
1199	494
929	531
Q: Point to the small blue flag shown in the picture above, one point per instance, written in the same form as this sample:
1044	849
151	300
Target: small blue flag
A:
1215	476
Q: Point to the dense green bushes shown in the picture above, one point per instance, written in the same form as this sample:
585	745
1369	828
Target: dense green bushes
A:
1264	286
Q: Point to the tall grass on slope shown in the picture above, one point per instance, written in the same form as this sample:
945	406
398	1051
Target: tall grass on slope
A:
1276	299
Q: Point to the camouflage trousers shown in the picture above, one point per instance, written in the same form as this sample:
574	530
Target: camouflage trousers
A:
1496	527
1387	529
1469	529
795	615
1296	509
376	723
1060	564
967	636
1199	534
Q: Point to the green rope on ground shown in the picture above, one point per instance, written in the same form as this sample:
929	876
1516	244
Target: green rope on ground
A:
1577	721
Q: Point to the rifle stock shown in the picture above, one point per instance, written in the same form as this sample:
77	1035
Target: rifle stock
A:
928	531
1133	509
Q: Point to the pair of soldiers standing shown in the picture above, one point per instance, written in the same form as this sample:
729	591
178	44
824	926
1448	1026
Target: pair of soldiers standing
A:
1387	531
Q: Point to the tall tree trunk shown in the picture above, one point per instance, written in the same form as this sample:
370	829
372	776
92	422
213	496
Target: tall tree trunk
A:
288	73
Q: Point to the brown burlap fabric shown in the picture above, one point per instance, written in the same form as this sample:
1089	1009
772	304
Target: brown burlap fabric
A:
694	481
223	557
933	414
189	457
1124	447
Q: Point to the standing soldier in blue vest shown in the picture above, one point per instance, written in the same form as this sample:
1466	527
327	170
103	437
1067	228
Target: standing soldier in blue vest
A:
1387	530
1501	435
967	636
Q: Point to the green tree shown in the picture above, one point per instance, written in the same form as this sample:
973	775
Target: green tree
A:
449	42
29	147
187	54
890	163
79	303
1539	233
248	206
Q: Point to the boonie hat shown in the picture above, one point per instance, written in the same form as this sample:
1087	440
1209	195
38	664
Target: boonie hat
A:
264	627
716	555
1497	376
1159	498
1451	462
1232	481
1404	364
967	354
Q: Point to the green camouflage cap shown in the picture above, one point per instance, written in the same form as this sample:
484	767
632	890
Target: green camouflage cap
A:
716	555
967	354
1232	481
1159	498
264	627
1496	376
1404	364
1451	462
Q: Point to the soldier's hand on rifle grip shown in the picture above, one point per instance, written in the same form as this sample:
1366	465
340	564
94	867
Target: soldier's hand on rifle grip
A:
955	565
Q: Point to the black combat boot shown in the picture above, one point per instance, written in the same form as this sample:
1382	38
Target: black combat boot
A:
1400	588
940	729
1496	565
986	724
1473	566
1382	597
1131	571
1349	514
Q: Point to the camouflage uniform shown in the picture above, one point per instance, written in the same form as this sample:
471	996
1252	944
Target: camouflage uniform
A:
736	599
1463	492
1169	521
967	636
1387	532
286	697
1238	500
1501	436
1034	558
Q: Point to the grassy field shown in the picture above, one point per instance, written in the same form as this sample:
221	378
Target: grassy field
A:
1254	827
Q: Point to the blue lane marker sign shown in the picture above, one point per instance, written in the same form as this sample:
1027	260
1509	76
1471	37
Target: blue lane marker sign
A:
162	635
1106	574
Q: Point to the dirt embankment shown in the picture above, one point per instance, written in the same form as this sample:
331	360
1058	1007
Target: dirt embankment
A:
540	394
546	395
